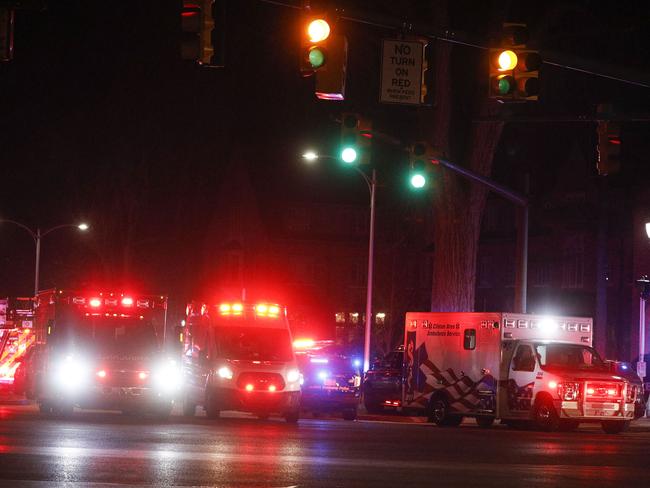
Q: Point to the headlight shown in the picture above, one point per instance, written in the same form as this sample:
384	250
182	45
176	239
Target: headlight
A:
168	376
568	391
293	375
71	372
225	372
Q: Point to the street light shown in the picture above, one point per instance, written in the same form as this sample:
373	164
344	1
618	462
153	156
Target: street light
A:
37	236
371	182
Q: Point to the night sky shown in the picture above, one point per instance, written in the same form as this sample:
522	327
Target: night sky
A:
102	121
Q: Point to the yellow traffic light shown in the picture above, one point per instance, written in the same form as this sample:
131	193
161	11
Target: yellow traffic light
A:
318	30
507	60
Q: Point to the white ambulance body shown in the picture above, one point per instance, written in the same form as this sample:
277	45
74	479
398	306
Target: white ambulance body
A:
515	367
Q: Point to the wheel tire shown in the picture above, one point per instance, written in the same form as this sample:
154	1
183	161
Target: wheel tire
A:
485	422
615	426
45	408
210	406
189	408
439	414
544	415
373	408
349	414
568	425
292	417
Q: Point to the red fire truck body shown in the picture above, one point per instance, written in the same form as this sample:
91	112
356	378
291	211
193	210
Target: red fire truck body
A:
103	350
515	367
16	335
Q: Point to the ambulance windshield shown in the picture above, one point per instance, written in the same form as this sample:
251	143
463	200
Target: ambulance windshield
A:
568	356
253	343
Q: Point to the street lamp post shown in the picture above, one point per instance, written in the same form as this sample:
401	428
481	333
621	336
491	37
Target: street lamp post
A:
371	182
37	236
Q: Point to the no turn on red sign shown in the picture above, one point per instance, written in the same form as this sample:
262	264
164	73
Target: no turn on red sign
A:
402	70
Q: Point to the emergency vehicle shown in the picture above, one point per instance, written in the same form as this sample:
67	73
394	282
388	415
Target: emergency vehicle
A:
16	335
519	368
239	356
103	350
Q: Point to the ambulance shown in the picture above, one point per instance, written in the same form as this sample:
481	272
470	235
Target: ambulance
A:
518	368
239	356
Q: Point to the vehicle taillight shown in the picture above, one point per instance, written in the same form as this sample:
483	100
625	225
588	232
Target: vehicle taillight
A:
95	302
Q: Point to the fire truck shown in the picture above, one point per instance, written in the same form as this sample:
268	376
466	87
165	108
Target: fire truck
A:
239	356
522	369
103	350
16	335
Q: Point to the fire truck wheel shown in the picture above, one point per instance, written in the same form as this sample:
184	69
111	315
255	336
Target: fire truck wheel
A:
189	408
210	406
292	417
545	416
45	408
349	414
615	426
485	422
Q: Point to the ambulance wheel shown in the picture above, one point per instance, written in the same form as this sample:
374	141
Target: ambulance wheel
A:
189	408
545	416
615	426
485	422
349	414
439	414
292	417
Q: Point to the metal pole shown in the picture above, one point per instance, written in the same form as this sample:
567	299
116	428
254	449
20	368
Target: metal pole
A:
371	249
641	366
38	259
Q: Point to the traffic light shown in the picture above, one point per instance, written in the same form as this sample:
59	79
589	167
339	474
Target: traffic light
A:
323	54
356	139
609	147
514	69
421	156
203	26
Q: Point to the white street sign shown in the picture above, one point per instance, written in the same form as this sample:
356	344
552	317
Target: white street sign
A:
402	67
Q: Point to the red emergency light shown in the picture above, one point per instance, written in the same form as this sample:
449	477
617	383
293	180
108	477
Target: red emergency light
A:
127	302
95	302
249	387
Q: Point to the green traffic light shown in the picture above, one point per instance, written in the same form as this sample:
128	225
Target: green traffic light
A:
316	57
505	85
418	181
349	155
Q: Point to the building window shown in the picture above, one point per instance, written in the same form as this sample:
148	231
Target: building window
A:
354	318
380	318
540	274
340	317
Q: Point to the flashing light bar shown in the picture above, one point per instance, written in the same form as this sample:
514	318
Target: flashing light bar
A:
260	310
126	301
303	343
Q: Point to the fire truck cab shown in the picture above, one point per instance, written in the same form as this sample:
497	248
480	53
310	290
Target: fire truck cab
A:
239	356
518	368
103	351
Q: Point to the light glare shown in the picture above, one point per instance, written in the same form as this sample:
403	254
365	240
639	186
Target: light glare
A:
507	60
318	30
349	155
418	181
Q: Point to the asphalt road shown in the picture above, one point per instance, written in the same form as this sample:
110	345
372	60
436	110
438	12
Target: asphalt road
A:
105	449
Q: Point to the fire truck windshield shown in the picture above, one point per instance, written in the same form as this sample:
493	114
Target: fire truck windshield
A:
568	356
253	343
109	334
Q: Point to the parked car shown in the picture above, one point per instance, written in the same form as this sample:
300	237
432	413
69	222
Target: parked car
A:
382	384
627	371
331	380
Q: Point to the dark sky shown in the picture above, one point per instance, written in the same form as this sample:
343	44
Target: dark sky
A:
102	121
